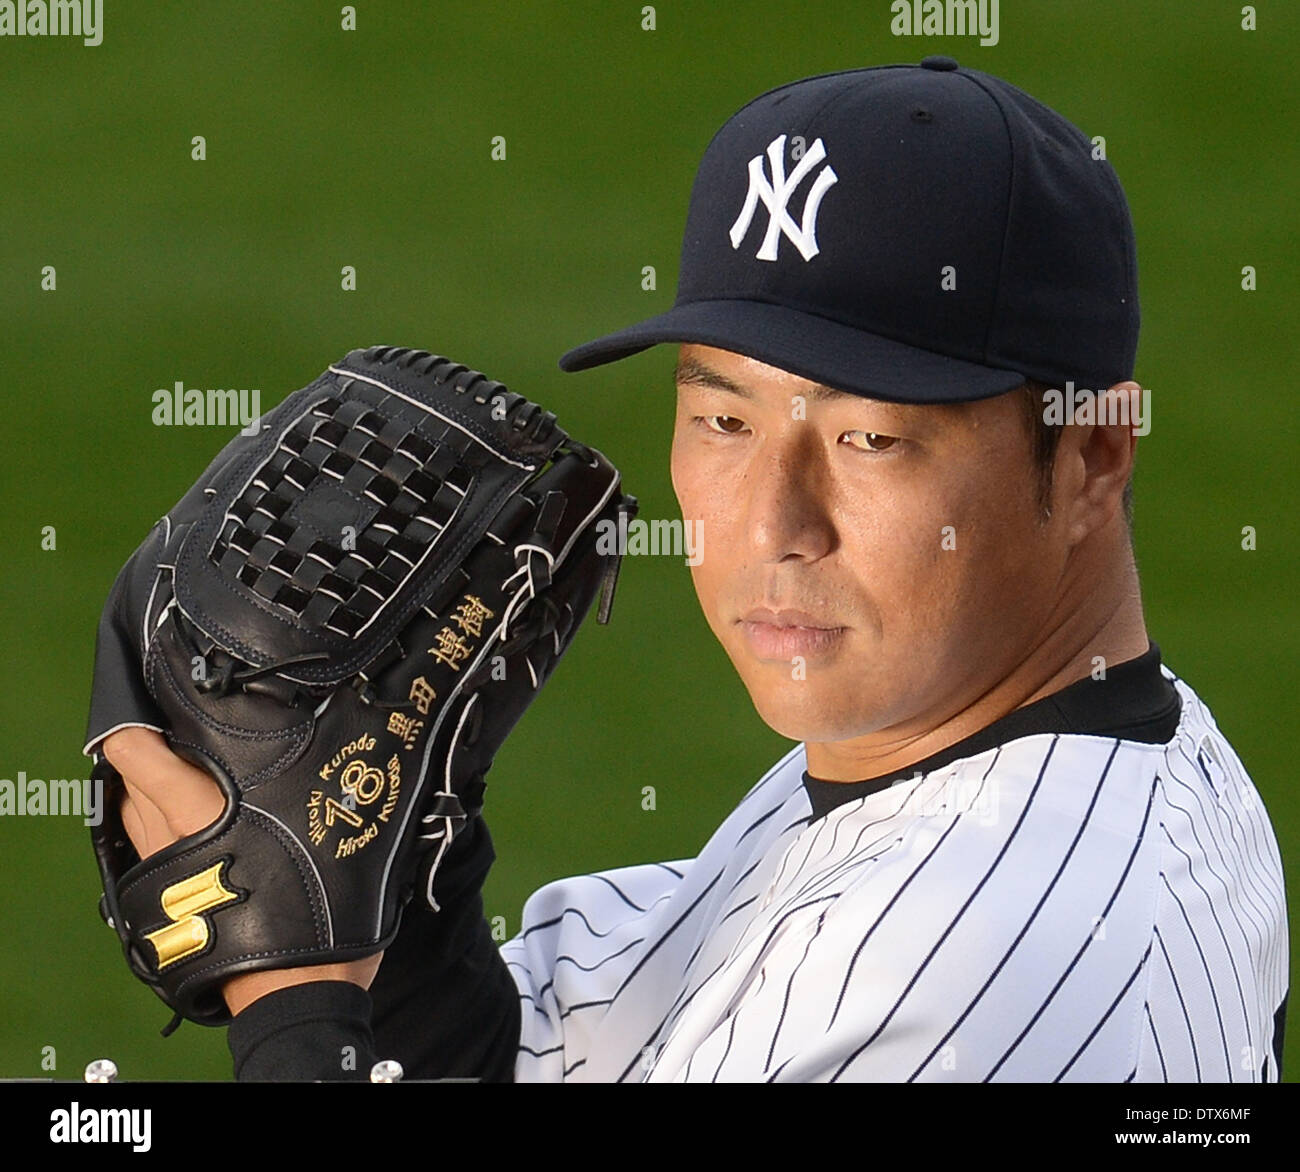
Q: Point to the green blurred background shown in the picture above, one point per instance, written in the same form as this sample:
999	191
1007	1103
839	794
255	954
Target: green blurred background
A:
372	148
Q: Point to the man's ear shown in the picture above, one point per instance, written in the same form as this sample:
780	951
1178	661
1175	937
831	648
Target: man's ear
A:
1095	457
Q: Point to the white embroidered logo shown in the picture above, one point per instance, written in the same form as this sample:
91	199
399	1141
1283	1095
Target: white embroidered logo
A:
776	194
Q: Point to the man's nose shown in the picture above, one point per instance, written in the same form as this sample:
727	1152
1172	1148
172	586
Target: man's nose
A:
788	499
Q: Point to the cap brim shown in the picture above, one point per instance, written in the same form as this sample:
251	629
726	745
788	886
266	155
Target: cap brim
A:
807	345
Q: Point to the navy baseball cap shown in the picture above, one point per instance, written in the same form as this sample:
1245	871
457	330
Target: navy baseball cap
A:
919	233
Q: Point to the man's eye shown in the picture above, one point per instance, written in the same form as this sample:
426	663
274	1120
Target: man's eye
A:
869	441
723	424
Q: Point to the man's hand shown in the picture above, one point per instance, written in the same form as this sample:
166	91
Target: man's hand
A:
167	798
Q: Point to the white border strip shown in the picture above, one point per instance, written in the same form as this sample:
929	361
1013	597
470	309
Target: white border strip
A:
91	748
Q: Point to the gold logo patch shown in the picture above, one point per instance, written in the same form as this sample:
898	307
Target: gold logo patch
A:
185	904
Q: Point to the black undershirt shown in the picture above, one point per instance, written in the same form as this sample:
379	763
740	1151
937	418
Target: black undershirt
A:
445	1005
1134	701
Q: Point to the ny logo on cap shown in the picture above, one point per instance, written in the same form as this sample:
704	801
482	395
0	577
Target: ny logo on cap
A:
776	194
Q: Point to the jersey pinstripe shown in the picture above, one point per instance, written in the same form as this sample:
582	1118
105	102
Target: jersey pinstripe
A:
1060	908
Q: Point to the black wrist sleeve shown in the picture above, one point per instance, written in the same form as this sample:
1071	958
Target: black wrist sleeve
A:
317	1031
443	1003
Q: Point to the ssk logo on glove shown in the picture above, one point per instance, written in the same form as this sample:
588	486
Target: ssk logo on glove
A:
186	903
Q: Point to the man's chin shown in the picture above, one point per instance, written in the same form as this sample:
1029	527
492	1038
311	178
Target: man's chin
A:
809	715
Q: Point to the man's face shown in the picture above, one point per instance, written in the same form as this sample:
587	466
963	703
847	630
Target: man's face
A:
866	565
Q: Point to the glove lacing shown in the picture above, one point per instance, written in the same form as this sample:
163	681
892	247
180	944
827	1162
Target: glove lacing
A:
534	564
231	673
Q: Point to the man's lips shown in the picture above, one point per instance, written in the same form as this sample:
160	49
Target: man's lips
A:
785	633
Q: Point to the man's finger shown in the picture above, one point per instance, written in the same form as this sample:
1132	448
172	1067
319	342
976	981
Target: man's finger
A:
144	824
188	799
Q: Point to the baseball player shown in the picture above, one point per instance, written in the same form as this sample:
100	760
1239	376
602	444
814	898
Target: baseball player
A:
1009	843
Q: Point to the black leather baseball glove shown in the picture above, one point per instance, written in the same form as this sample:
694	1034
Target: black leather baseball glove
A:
341	622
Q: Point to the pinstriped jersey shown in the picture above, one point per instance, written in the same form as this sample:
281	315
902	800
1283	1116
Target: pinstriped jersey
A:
1059	907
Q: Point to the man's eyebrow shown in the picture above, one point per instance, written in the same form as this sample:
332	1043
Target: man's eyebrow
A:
694	373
